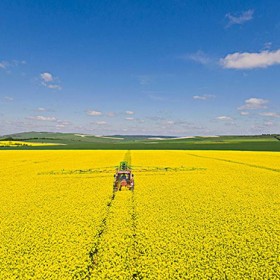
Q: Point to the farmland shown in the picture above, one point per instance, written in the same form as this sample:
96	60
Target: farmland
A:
7	144
72	141
193	215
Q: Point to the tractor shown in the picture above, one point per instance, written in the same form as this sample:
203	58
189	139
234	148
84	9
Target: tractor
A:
123	177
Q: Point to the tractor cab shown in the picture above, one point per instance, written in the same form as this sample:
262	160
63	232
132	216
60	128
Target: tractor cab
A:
123	177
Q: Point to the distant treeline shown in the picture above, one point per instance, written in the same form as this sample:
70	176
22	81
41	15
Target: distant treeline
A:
26	139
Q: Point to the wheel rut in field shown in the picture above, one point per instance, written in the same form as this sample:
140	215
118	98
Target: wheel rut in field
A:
97	238
121	204
133	216
238	162
136	274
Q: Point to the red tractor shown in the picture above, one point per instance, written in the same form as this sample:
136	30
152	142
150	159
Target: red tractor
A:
123	177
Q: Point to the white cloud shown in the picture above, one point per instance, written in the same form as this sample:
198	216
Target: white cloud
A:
48	81
224	118
129	119
101	123
244	113
242	18
43	118
251	60
60	126
41	109
203	97
270	114
254	104
94	113
129	112
58	87
47	77
63	122
199	57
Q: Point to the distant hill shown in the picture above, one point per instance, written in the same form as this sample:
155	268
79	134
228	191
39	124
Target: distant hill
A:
269	142
42	136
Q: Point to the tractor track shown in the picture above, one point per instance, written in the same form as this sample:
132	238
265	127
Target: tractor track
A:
97	240
238	162
136	274
93	253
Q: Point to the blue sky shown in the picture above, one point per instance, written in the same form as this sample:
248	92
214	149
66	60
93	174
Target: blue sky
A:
170	67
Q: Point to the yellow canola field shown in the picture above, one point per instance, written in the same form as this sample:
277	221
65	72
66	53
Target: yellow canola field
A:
47	221
218	223
193	215
23	143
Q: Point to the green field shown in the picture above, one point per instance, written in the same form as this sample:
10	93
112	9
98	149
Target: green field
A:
119	142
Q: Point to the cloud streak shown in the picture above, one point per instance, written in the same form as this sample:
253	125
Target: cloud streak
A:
254	104
240	19
41	109
270	114
43	118
129	112
224	118
101	123
244	113
94	113
8	64
3	65
203	97
198	57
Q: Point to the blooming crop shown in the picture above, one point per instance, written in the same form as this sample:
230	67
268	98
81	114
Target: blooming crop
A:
193	215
